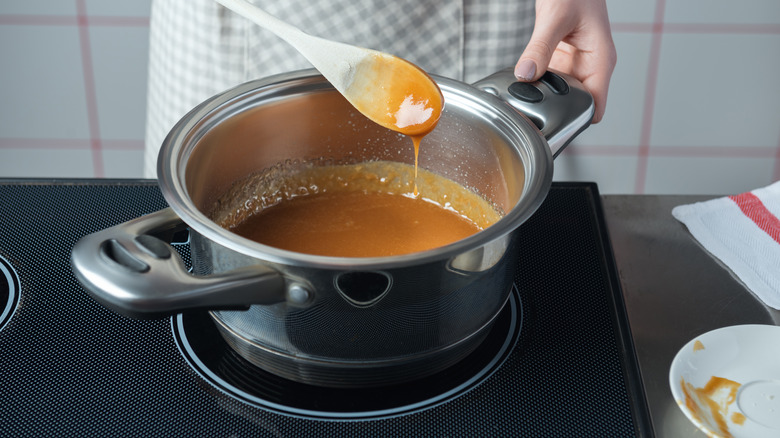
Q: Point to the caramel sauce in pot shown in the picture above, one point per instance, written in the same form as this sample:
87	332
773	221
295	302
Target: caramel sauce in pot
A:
358	210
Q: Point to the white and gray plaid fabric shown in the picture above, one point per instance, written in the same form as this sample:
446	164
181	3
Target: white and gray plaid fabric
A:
198	48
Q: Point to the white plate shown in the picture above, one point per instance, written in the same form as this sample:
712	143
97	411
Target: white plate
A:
727	381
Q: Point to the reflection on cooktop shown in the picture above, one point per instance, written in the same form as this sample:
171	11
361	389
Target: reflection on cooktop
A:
9	291
205	350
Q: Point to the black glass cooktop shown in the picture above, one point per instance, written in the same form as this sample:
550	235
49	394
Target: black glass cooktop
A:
558	362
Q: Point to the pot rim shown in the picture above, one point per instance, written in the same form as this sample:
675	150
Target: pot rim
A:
180	142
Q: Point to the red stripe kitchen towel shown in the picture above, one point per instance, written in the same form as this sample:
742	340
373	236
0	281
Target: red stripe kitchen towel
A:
743	231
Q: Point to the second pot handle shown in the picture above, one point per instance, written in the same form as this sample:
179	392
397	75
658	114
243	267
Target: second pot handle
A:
132	270
558	104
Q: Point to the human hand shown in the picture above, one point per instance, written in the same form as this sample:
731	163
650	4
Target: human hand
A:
572	36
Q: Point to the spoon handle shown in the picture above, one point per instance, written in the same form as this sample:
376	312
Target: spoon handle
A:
336	61
283	30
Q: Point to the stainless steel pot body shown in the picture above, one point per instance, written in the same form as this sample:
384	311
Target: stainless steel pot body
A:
328	320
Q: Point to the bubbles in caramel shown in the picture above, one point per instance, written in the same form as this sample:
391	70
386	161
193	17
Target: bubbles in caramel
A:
357	210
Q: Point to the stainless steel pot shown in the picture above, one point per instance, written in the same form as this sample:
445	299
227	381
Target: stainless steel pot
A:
327	320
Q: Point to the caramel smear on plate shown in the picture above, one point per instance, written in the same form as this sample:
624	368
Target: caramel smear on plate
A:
710	404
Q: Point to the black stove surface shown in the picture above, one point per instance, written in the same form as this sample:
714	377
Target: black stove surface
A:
564	362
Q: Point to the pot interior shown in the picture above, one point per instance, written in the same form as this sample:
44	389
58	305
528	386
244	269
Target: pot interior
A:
480	142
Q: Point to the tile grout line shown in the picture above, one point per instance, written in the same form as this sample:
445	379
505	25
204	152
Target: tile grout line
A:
69	143
696	28
68	20
89	90
722	28
649	106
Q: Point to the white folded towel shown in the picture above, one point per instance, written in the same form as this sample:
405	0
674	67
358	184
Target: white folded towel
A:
743	231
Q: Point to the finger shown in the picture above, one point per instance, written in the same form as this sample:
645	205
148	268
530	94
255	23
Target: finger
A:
599	101
536	57
550	27
598	85
593	69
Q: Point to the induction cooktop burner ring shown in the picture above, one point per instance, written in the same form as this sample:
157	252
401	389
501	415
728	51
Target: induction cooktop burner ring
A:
9	291
222	368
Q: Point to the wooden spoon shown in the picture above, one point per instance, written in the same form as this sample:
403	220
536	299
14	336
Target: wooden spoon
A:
389	90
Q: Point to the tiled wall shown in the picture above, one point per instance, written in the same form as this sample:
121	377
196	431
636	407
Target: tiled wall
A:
72	87
694	104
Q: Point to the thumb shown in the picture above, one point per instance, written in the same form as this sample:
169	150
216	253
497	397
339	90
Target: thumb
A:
554	20
536	57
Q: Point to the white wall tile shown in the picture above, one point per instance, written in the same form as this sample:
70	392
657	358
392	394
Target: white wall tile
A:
631	11
134	8
42	92
722	11
718	90
613	174
38	7
119	60
123	164
707	175
45	163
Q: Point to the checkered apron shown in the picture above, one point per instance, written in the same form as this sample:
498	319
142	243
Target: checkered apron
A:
197	48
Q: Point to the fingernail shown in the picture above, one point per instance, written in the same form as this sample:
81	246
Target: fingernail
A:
525	69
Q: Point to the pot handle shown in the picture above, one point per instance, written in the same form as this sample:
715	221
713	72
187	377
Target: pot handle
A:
558	104
132	270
